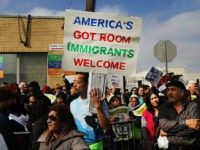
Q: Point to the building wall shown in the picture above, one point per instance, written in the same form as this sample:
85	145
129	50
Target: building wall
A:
33	56
43	31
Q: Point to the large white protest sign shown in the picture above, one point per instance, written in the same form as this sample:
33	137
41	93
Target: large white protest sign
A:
101	43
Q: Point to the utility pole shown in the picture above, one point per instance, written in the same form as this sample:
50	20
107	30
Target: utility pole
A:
90	5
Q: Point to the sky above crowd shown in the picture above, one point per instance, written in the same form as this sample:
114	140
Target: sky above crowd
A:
174	20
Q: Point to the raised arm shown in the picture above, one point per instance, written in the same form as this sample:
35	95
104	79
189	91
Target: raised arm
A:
99	105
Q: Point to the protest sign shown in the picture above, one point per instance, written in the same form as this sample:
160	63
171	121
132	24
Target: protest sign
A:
115	81
121	128
120	112
96	80
100	43
154	75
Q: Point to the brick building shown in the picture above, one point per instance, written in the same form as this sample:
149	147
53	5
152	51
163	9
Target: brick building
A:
24	46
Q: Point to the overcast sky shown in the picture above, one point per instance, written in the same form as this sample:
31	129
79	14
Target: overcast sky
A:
174	20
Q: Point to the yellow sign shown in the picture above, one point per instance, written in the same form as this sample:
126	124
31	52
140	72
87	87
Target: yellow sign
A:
1	74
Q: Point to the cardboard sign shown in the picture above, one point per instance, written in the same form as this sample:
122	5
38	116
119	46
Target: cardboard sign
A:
100	43
154	75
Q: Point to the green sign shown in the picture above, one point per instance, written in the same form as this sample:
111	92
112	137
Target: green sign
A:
53	57
1	59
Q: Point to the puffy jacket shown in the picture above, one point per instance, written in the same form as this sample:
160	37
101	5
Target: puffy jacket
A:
72	141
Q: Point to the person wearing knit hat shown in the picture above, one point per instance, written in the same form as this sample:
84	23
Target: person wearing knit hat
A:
134	102
114	102
179	119
176	83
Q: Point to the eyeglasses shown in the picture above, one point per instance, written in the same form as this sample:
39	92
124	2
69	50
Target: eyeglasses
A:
52	118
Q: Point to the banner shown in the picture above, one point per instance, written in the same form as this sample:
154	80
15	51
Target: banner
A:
100	43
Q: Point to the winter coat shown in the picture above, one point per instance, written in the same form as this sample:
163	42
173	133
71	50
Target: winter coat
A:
6	131
172	122
72	141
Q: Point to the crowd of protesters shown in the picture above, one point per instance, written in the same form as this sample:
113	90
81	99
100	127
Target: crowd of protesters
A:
60	118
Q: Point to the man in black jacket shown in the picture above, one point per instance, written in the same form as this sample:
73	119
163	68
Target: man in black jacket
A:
179	119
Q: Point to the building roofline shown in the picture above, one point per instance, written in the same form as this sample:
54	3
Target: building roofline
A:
38	17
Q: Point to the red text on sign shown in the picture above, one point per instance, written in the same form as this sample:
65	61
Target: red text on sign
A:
114	38
84	35
99	64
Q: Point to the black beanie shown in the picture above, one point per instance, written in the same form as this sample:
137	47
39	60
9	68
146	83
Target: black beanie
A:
176	83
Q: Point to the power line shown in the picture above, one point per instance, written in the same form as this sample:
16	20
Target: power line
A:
69	4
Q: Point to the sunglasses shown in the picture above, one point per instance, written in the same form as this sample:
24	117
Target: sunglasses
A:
52	118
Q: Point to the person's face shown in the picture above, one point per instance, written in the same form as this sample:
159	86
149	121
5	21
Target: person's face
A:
116	103
140	91
134	102
79	84
58	90
109	91
147	90
154	100
174	94
52	121
31	90
32	100
193	88
126	92
25	88
134	91
59	100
